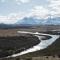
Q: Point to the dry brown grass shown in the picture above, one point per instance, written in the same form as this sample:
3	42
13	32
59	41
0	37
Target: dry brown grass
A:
8	32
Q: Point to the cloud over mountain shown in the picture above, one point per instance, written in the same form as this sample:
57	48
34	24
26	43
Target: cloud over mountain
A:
40	12
28	9
54	7
34	21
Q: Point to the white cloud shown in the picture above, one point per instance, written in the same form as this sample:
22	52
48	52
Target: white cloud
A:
53	10
22	1
55	7
37	11
12	18
18	1
25	1
7	20
40	12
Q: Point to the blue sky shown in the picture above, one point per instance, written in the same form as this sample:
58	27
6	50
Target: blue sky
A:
14	6
12	10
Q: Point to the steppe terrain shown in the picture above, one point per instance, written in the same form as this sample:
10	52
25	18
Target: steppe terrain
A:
11	34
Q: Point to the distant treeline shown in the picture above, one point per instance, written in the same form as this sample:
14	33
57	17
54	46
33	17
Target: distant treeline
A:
12	26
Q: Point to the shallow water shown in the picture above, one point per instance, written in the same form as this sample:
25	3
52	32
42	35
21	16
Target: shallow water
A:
42	45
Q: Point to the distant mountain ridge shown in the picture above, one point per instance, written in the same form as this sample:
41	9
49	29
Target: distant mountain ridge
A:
35	21
5	26
32	21
28	21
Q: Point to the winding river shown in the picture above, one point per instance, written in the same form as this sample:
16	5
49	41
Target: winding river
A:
42	45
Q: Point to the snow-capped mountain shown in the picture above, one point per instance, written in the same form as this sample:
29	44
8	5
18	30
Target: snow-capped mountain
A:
35	21
53	21
30	21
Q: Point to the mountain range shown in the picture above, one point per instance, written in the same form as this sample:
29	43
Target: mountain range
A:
35	21
32	21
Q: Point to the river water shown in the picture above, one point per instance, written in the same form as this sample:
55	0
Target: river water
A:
42	45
